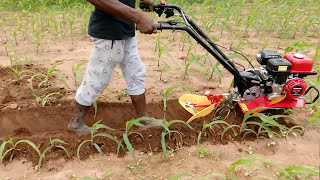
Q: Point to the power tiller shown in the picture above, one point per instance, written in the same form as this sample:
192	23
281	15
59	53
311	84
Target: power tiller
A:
278	83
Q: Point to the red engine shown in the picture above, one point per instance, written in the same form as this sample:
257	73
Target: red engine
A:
294	88
302	66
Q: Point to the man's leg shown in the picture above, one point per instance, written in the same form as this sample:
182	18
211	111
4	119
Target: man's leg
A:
134	73
98	73
139	102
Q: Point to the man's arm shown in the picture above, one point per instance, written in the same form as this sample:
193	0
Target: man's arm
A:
144	23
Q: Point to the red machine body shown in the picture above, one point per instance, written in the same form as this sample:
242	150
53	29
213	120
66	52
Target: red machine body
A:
300	63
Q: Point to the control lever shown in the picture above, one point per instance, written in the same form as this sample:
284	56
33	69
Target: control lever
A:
171	22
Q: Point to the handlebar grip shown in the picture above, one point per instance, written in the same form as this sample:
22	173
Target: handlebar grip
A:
146	6
159	26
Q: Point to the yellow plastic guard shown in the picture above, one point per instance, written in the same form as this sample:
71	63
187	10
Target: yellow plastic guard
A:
196	99
278	99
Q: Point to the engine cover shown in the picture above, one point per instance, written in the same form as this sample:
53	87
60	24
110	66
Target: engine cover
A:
300	63
294	88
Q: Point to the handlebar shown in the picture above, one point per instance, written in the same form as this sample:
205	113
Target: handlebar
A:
146	6
193	30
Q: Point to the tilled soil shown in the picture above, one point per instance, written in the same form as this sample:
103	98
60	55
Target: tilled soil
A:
29	120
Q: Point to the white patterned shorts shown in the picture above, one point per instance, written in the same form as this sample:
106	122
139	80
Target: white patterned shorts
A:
105	56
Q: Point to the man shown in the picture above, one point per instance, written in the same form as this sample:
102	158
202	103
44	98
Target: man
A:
112	28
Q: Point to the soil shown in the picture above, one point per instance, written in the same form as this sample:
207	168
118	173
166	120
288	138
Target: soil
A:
22	117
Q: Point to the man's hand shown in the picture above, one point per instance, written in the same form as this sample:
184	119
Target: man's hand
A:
149	2
146	25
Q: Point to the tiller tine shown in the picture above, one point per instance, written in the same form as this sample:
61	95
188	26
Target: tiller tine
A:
199	106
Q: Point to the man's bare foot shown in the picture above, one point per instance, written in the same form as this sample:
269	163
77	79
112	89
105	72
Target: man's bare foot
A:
79	128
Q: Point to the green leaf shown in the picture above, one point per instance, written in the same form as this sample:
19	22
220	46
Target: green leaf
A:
52	141
129	146
65	150
170	89
205	126
31	144
95	106
44	100
34	76
79	147
227	128
3	145
168	124
303	169
111	137
38	167
53	67
247	162
199	137
61	78
316	56
102	126
163	143
98	148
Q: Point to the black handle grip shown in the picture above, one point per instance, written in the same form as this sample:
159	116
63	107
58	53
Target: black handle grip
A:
316	98
159	26
146	6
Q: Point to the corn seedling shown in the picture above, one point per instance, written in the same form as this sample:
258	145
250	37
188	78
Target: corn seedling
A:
194	60
95	106
14	149
46	99
210	125
95	127
127	133
51	71
122	94
165	94
161	49
38	42
20	74
164	68
298	46
76	71
166	125
266	125
52	145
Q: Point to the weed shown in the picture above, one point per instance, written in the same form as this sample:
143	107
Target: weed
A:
203	151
